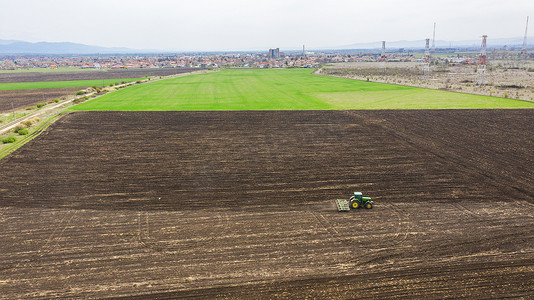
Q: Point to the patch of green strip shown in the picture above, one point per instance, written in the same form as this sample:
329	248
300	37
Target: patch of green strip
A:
63	84
36	132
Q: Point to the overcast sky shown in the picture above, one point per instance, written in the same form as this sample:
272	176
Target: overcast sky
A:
249	24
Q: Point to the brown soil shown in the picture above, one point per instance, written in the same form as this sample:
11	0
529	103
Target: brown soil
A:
88	75
239	204
27	98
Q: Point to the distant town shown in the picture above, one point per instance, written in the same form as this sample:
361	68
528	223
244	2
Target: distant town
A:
273	58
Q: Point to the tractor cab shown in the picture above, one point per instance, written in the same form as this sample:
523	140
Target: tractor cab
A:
357	195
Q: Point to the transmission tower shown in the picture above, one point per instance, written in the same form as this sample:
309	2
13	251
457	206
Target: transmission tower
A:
482	61
524	48
434	40
383	56
426	61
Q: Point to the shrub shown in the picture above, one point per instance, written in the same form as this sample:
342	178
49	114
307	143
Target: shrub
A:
30	108
79	93
86	97
111	84
18	128
23	131
39	105
8	140
138	81
28	123
123	82
56	100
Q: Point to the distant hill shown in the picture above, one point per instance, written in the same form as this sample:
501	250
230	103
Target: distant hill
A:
21	47
6	42
63	48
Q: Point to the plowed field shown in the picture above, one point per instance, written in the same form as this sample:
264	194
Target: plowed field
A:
239	204
26	98
88	75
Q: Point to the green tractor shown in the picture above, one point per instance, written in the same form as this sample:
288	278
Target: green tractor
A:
356	201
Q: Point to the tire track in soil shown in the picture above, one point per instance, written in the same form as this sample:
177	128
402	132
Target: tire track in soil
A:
403	222
525	206
2	212
400	237
470	212
466	210
324	223
150	243
475	280
529	206
46	248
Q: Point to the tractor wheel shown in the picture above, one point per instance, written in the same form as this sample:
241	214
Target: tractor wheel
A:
368	205
355	204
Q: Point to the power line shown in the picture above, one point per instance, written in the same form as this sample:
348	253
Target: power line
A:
426	61
524	48
383	56
482	62
434	40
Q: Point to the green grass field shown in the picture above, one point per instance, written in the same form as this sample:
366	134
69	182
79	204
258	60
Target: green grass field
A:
283	89
60	84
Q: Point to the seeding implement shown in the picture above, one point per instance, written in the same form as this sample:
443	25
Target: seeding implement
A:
356	201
